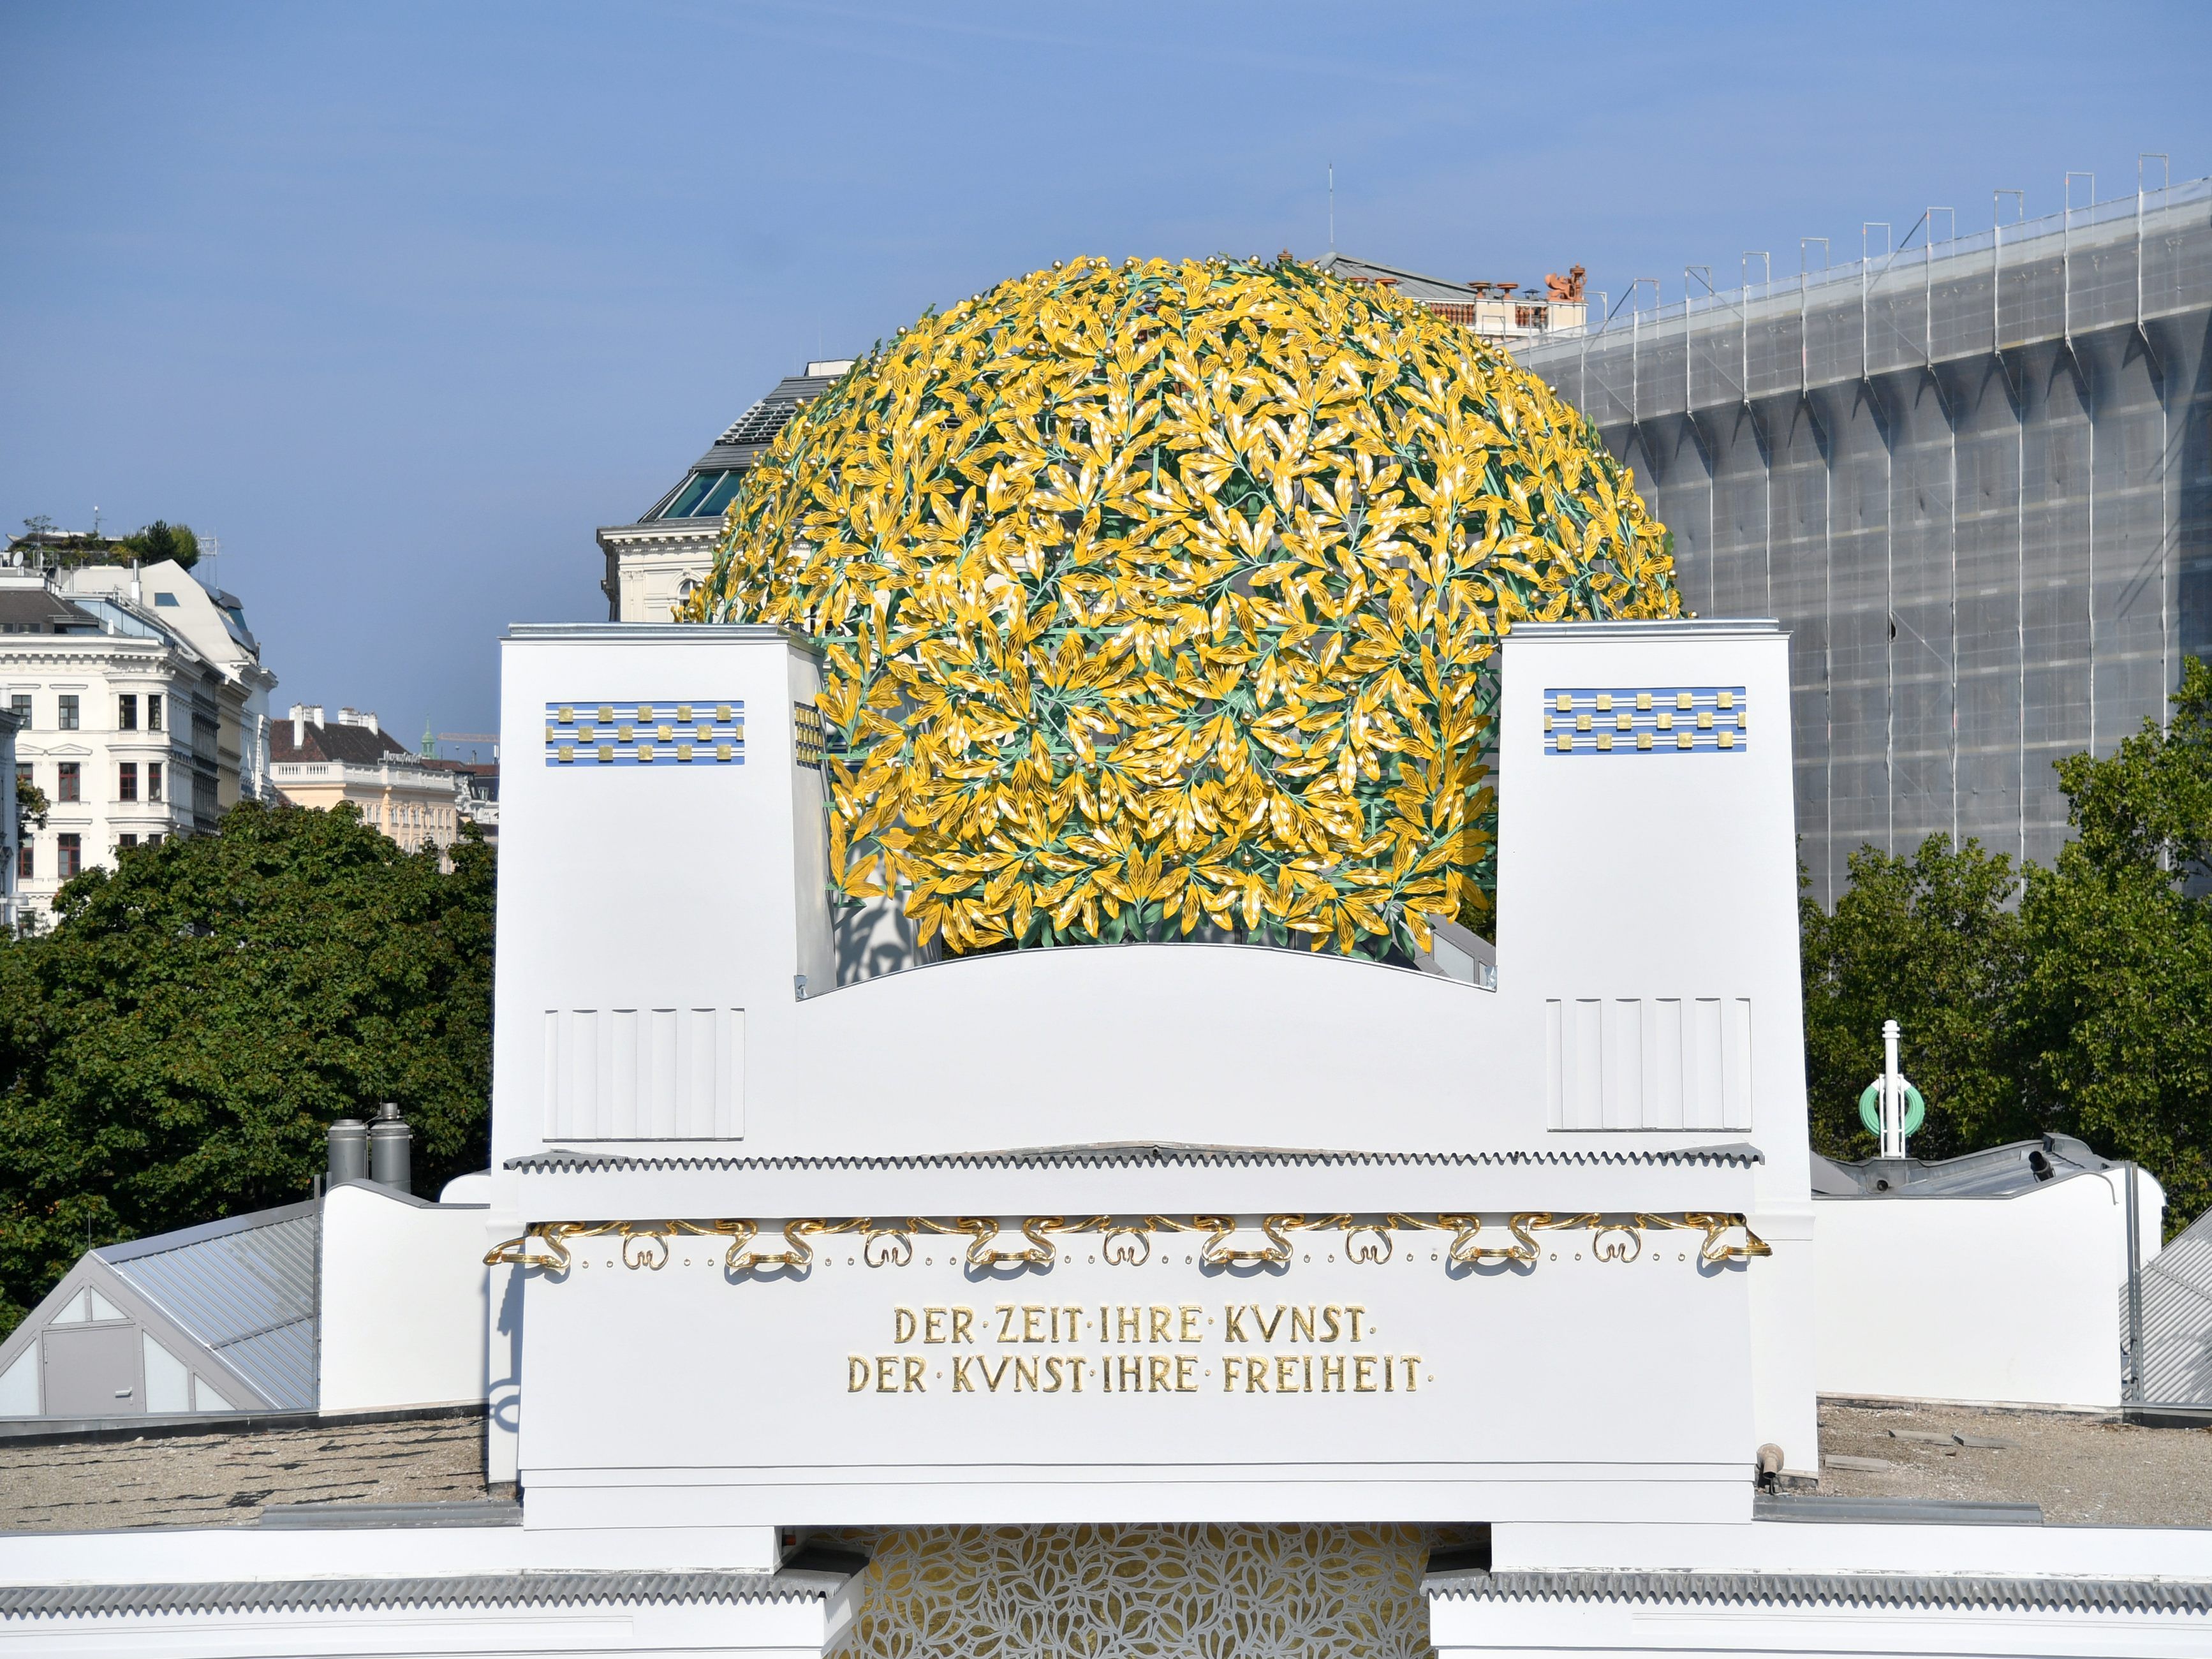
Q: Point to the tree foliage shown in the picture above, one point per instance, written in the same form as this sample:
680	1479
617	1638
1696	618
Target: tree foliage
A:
2115	1018
31	804
172	1049
2086	1008
1928	941
162	540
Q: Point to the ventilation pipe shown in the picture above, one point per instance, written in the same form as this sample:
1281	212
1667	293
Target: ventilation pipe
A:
391	1150
348	1150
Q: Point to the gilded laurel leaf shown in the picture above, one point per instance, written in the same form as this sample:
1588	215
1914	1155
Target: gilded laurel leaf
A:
1164	597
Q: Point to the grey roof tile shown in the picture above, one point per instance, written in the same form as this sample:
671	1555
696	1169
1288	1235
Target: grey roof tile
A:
335	742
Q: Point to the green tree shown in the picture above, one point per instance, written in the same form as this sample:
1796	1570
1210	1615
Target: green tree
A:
1929	941
172	1049
2088	1009
31	804
162	540
2115	1018
31	809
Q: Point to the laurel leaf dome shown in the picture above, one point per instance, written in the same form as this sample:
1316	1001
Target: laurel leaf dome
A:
1162	600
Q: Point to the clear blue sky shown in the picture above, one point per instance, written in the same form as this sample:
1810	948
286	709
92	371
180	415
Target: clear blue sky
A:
401	301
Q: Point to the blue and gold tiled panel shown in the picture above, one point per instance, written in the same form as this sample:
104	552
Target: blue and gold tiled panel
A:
1647	719
806	735
680	732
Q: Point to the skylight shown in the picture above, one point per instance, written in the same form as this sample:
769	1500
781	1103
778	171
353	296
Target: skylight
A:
704	496
695	490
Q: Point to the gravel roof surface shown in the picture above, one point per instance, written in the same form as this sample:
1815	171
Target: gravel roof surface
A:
2079	1467
226	1480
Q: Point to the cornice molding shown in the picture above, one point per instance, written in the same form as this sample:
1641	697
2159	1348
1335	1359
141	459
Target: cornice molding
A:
661	537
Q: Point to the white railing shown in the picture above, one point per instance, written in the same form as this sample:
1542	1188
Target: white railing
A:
2024	239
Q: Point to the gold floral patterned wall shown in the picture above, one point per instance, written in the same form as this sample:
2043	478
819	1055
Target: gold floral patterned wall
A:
1142	1592
1163	598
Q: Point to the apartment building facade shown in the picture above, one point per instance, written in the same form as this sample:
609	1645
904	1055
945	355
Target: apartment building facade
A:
351	760
132	728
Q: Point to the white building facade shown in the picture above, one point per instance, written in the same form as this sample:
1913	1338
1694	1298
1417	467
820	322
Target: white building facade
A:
12	828
1237	1300
141	708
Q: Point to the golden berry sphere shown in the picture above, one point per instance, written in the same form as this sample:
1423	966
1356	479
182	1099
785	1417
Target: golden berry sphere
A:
1163	602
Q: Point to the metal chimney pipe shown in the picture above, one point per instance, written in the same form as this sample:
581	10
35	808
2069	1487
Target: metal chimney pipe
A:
348	1150
391	1150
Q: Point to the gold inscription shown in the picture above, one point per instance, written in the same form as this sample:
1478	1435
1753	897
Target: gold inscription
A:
885	1373
1291	1334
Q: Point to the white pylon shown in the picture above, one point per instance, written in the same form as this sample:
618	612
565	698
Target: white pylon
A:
1893	1094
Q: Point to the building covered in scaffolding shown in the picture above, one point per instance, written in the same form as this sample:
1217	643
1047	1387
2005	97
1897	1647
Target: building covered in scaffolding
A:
1972	476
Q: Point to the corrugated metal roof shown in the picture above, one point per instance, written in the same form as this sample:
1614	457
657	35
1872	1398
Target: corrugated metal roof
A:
2177	1319
562	1161
472	1590
1846	1590
281	1362
245	1288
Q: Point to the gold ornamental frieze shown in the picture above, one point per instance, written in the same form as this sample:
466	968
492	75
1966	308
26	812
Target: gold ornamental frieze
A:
1216	1242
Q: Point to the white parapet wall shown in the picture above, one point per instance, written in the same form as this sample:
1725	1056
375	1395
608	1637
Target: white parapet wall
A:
675	1054
1771	1588
2006	1300
403	1301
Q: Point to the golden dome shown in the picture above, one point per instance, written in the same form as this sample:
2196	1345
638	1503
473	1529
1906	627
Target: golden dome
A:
1163	599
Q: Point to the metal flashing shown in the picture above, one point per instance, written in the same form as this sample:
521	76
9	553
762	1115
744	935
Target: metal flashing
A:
166	1425
631	633
1818	1509
469	1590
1686	628
130	1249
1832	1588
326	1516
1156	1154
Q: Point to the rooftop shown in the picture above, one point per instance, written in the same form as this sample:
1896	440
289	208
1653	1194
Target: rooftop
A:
244	1286
1495	310
34	608
1993	1172
705	490
2079	1467
1407	284
233	1477
310	740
